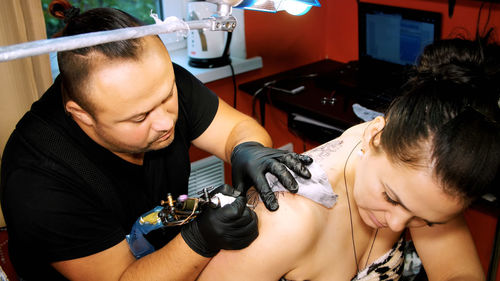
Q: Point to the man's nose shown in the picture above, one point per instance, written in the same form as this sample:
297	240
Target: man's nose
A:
398	218
161	119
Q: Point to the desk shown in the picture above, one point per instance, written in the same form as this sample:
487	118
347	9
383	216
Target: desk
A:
331	89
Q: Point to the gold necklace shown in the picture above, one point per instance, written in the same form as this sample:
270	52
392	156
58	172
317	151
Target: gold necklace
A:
350	217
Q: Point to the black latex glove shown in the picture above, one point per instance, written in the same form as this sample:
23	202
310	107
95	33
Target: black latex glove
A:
231	227
250	162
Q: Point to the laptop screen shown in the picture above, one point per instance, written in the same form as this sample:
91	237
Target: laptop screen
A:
395	35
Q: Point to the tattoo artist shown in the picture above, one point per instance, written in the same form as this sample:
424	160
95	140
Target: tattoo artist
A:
124	112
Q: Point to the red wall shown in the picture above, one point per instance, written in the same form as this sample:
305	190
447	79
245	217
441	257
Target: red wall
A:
284	42
342	43
482	227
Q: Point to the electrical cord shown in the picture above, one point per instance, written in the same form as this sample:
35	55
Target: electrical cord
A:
234	85
267	86
484	30
225	53
254	115
254	100
284	126
479	18
488	18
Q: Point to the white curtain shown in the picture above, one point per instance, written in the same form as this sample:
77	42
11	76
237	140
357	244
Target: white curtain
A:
22	81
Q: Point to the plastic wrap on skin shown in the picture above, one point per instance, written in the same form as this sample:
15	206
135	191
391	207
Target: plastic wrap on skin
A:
317	188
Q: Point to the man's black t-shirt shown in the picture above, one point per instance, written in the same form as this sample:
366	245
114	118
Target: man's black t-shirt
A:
52	214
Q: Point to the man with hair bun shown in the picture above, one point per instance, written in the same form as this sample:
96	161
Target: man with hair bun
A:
122	118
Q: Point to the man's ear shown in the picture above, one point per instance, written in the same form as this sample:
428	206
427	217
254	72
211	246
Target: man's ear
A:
372	132
79	114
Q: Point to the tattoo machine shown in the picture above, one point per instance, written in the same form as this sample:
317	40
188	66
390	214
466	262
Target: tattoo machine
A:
172	213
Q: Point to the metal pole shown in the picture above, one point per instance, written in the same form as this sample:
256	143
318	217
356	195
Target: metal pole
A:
39	47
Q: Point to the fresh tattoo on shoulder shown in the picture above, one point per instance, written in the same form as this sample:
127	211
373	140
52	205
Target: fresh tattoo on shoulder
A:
253	197
325	150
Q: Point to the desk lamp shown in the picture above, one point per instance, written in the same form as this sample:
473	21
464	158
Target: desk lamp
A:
208	49
294	7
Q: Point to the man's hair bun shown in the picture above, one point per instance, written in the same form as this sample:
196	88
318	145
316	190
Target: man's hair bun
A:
62	9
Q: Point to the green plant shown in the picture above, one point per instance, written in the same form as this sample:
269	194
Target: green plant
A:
138	8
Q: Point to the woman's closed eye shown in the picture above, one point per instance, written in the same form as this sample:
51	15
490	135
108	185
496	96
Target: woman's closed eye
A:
389	199
416	221
139	119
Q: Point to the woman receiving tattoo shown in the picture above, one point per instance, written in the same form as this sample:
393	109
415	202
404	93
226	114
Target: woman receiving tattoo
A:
416	169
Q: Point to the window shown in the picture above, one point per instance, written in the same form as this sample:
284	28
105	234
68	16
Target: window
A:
175	44
175	8
139	9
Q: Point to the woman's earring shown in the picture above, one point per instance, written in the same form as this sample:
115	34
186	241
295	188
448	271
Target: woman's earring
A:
361	152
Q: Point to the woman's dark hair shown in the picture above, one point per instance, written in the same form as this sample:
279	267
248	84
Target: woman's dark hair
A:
450	107
75	65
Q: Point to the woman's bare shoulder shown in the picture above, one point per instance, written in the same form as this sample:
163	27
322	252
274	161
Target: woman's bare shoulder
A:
296	213
298	222
285	237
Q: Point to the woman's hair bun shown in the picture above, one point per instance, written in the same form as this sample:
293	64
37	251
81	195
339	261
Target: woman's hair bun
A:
62	9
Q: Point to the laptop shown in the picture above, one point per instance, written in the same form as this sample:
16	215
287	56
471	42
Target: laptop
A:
390	41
